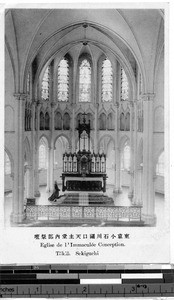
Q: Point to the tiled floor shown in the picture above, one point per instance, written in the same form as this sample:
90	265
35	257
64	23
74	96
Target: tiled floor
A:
119	200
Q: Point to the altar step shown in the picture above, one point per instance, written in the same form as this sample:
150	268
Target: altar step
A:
80	223
83	199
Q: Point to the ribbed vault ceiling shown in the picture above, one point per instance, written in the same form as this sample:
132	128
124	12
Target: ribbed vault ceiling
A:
130	35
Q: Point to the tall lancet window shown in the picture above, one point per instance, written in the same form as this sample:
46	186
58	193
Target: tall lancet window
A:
124	86
46	84
63	80
85	81
107	81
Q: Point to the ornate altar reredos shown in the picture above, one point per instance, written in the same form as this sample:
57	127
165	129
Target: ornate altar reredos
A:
84	170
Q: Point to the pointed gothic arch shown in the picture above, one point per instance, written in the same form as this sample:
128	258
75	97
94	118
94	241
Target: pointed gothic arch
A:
10	157
58	121
102	121
47	121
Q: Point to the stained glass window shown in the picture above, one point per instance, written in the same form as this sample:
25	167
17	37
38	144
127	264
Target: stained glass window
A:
124	86
160	165
45	84
85	81
107	80
63	80
7	167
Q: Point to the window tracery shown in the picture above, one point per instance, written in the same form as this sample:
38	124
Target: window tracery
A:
107	81
63	80
46	84
85	81
124	86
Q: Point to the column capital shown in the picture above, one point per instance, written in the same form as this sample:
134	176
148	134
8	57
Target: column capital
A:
148	97
20	96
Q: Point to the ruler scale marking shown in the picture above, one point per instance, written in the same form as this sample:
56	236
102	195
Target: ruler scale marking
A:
157	283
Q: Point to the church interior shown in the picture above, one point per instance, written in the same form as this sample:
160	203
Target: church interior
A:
84	113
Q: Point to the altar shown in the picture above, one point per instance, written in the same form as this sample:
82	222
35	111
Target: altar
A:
84	170
83	179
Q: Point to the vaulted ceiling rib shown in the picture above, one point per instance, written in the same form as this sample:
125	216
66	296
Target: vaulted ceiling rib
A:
131	34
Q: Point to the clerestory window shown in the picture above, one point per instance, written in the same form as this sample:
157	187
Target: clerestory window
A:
46	84
85	81
107	81
124	86
63	81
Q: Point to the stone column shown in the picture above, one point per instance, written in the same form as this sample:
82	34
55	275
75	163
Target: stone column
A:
51	153
96	94
117	188
18	203
13	196
27	177
73	125
30	183
148	183
32	169
50	170
139	184
96	130
36	154
74	100
131	186
135	179
36	187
